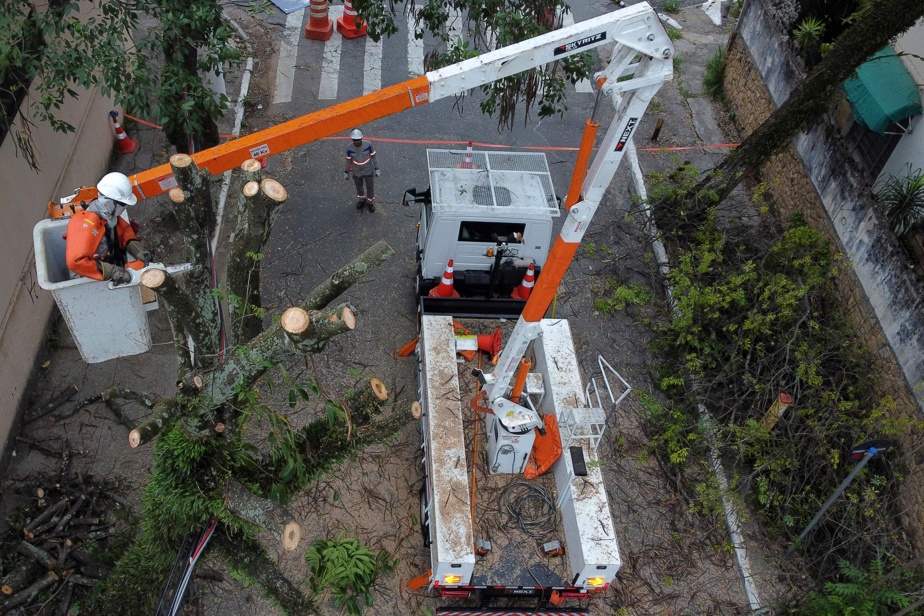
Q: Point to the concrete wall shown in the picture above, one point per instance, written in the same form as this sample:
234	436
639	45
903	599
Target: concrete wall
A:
66	160
817	177
909	154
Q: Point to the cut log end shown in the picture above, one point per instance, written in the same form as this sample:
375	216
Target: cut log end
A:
349	317
250	188
219	427
291	535
134	439
6	590
181	160
295	320
153	278
416	410
251	165
378	389
176	194
274	190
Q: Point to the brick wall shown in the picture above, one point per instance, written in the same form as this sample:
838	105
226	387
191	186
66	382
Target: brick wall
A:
817	177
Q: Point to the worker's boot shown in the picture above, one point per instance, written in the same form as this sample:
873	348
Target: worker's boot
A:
360	203
371	206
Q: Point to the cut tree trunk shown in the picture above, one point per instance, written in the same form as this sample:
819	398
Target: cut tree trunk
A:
185	316
163	413
347	276
27	595
308	332
367	400
263	512
258	208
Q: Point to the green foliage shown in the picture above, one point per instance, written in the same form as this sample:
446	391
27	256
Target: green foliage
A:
674	34
490	25
347	569
902	199
671	6
809	32
754	316
862	593
614	296
714	74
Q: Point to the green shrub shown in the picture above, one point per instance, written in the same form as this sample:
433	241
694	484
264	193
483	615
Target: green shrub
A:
347	569
714	74
902	199
671	6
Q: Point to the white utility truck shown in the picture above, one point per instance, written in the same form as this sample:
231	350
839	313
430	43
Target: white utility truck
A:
520	523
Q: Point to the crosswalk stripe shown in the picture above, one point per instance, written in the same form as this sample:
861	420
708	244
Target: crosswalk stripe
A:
415	47
584	85
288	54
372	66
330	61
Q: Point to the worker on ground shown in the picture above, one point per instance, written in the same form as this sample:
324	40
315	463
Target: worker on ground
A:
100	241
361	160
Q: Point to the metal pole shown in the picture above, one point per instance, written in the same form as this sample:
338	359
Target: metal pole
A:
866	458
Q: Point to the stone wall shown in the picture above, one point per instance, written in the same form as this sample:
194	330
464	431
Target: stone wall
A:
817	177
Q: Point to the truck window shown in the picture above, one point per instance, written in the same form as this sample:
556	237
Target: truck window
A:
480	231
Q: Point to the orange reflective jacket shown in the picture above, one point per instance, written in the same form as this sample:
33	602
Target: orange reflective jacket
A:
85	231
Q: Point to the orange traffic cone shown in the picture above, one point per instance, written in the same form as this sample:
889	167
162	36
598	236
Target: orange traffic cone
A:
490	343
523	291
468	159
123	143
319	26
444	288
347	25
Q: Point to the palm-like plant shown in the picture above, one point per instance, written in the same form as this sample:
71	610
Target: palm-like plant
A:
902	198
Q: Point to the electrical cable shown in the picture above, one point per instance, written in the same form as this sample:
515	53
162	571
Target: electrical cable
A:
193	559
531	507
188	544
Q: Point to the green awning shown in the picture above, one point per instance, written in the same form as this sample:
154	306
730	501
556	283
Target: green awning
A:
882	92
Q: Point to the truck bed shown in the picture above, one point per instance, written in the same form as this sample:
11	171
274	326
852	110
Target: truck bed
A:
461	517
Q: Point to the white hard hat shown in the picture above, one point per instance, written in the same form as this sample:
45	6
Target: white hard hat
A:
117	187
356	134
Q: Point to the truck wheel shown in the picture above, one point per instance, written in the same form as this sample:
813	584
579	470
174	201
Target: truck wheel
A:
424	516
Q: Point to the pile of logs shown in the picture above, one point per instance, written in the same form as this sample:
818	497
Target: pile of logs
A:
58	552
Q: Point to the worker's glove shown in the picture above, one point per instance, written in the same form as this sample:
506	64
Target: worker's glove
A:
136	249
346	176
115	274
377	173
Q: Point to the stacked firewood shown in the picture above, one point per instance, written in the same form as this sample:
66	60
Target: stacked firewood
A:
68	528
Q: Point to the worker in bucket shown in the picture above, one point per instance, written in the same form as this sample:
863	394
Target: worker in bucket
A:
100	241
361	160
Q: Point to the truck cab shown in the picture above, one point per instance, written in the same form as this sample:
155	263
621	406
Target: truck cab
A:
490	213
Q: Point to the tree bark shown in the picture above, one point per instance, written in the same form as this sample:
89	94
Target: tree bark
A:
366	401
163	413
247	555
347	276
308	332
30	593
17	579
195	214
242	369
263	512
809	101
184	310
258	208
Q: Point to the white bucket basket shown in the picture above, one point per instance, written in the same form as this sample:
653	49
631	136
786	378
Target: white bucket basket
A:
105	323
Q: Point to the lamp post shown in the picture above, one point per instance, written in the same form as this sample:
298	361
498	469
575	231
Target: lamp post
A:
863	453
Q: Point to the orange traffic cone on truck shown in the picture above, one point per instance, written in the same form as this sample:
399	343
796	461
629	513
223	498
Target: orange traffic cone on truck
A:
445	287
123	143
526	287
468	159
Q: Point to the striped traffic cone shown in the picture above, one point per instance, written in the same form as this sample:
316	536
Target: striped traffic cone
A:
468	159
523	291
444	288
347	24
123	143
319	26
